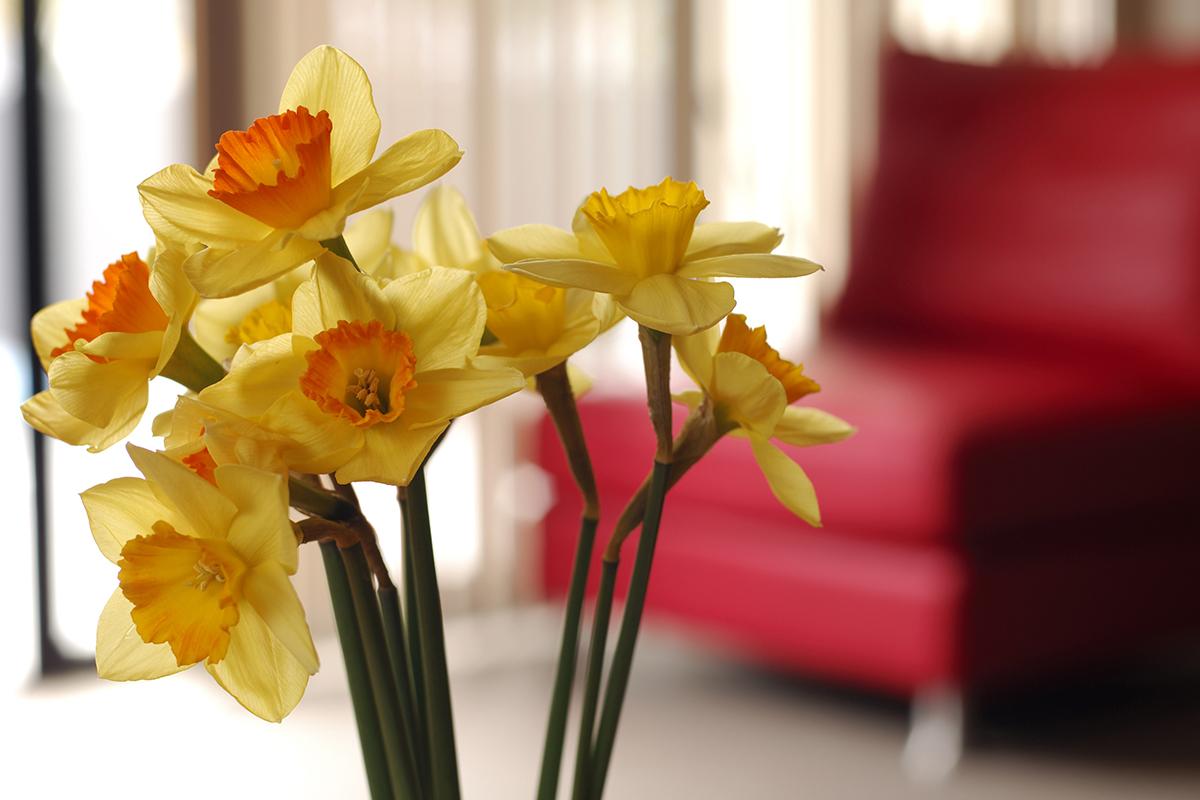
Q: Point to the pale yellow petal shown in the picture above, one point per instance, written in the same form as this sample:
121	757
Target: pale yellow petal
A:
788	482
338	292
201	506
177	206
391	454
696	355
679	306
269	590
590	246
579	274
369	238
261	530
258	670
804	426
690	399
442	311
45	414
416	160
215	317
747	392
315	441
327	79
120	510
544	242
258	378
447	393
711	239
50	325
223	273
444	231
144	347
751	265
96	393
121	655
329	222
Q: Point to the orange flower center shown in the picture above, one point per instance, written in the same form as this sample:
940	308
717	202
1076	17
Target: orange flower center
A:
740	338
184	592
360	373
201	462
278	170
121	302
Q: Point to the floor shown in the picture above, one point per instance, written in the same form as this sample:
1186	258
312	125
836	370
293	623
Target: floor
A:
698	725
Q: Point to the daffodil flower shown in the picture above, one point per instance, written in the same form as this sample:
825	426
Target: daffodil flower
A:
204	561
644	248
223	324
101	351
752	388
371	376
287	183
533	326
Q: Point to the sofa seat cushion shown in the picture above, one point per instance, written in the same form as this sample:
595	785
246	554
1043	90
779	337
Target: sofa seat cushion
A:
952	446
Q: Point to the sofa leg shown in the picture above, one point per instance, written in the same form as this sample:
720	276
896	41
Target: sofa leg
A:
936	733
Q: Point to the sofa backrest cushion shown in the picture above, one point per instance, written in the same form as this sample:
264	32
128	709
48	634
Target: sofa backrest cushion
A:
1034	207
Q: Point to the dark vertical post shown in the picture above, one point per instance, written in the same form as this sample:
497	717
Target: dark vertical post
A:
50	659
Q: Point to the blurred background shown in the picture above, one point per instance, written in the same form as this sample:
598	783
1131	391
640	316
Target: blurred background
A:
1004	194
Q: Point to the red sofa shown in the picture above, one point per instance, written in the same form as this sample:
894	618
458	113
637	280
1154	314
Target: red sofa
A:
1019	346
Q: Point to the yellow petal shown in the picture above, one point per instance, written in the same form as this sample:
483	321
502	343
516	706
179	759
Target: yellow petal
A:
696	355
329	222
390	454
223	273
258	670
442	311
99	394
747	392
804	426
416	160
50	325
590	246
121	655
315	441
203	510
577	273
337	292
447	393
122	509
788	482
45	414
369	238
753	265
215	317
177	206
690	399
712	239
145	347
444	231
544	242
268	589
679	306
260	531
258	378
327	79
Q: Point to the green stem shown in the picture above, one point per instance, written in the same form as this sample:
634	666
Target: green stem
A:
439	716
319	502
362	697
635	602
191	365
413	629
366	606
394	634
555	389
591	687
339	248
564	674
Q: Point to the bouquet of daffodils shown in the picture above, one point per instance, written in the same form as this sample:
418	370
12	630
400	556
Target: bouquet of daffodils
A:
317	354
